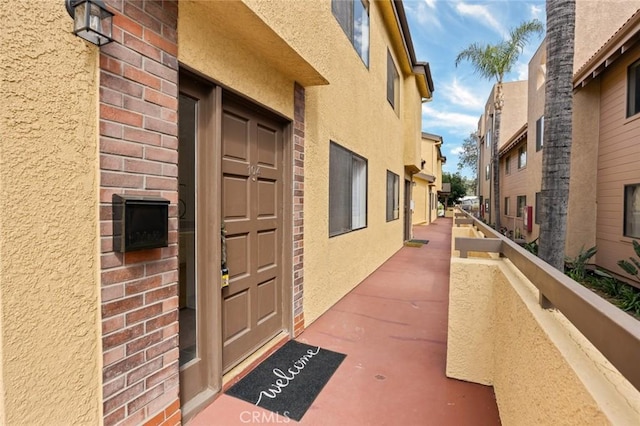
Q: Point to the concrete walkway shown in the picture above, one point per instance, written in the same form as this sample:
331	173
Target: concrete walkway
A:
393	329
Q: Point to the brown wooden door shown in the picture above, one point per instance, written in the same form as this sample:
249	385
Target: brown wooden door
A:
252	197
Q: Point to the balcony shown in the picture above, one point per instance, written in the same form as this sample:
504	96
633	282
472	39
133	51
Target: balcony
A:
436	338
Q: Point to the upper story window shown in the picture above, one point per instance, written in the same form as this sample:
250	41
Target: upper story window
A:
539	133
522	156
633	89
353	16
632	211
487	138
347	190
393	81
487	172
507	165
522	202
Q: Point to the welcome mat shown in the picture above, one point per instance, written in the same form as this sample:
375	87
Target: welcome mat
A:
289	380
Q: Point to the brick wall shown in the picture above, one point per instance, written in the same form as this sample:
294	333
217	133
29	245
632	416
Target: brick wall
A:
298	209
138	155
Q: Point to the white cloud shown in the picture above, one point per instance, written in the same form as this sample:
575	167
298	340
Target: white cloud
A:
425	13
456	150
536	11
461	96
454	122
522	71
483	15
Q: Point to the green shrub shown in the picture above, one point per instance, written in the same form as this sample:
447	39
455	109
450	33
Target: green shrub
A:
633	266
576	268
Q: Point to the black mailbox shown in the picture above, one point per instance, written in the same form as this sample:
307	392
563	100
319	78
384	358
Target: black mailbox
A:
139	223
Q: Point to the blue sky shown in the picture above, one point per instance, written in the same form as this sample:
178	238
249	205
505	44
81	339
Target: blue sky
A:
440	29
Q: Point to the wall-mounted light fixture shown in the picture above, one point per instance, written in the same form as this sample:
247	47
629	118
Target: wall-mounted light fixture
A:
91	20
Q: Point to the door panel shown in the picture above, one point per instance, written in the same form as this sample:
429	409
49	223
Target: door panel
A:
252	199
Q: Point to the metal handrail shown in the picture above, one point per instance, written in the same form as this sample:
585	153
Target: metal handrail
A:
613	332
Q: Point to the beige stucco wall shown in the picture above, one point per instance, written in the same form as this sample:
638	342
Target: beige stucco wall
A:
352	110
542	369
420	194
49	289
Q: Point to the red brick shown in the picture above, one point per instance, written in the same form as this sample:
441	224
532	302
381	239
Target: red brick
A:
142	166
106	228
123	366
121	180
110	162
171	356
170	304
143	107
141	76
161	154
108	128
143	371
127	24
142	256
121	337
122	148
166	127
170	142
170	331
160	375
160	404
110	64
161	99
121	306
160	42
111	292
113	355
160	70
174	420
162	348
173	408
135	13
162	183
170	88
141	47
169	115
170	33
162	266
156	420
119	115
113	387
122	274
161	321
144	342
142	285
143	136
112	324
110	97
118	51
115	417
110	260
120	84
171	61
134	418
157	10
144	313
145	398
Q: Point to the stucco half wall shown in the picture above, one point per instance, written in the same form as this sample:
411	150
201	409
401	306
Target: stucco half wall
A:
50	349
543	370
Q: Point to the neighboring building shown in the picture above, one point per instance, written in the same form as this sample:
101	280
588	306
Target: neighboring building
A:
513	116
602	157
285	125
427	183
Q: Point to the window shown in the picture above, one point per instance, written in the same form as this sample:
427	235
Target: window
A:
353	17
486	205
539	133
393	82
347	191
632	211
487	138
522	156
487	172
538	207
393	196
506	206
522	201
633	89
507	165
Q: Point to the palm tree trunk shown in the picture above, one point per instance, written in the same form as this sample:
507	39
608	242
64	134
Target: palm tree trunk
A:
558	111
495	160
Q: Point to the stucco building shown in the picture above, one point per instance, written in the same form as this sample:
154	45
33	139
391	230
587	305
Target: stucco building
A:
601	208
427	183
287	125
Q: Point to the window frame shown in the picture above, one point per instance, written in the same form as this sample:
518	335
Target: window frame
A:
507	164
393	82
540	133
522	151
393	196
357	181
633	89
506	206
487	172
627	221
538	207
348	24
519	207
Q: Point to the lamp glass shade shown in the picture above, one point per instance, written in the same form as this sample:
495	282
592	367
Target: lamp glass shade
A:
92	22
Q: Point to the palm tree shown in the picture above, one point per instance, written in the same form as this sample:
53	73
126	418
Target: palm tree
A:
558	109
493	61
